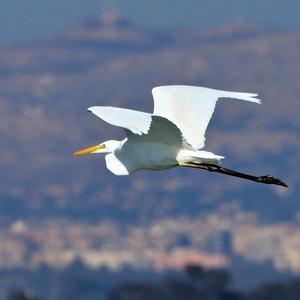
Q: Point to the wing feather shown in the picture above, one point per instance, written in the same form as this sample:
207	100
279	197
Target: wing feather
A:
135	121
141	127
191	108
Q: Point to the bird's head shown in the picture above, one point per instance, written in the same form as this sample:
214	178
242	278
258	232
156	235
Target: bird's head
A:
106	147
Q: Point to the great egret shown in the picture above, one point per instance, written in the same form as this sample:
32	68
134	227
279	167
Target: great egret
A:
171	136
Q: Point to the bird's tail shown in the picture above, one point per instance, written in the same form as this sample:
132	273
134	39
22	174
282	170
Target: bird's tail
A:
184	156
237	95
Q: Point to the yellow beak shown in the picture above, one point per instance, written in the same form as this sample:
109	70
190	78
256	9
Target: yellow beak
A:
88	150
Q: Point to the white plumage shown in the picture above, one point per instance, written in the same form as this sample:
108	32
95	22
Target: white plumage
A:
136	121
191	107
188	107
171	136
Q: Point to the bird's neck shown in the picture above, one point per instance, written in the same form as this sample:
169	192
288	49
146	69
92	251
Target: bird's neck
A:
112	145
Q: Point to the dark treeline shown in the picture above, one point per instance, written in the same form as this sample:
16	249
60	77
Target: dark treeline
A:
193	283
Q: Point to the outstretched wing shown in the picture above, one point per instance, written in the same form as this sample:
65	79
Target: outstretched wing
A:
191	107
137	122
141	127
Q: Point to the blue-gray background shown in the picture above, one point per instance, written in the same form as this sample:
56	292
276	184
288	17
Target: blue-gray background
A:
27	20
60	215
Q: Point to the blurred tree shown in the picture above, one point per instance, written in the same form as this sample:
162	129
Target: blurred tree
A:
21	295
177	289
217	279
276	291
194	272
137	291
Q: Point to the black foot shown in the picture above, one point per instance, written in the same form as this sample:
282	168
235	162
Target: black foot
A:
271	180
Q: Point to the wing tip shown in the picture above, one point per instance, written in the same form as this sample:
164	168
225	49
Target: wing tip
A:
251	97
255	100
91	108
94	108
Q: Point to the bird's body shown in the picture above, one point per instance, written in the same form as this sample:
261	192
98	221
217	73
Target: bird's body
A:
128	158
173	135
133	158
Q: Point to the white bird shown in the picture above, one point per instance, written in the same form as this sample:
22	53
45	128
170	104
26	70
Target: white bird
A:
171	136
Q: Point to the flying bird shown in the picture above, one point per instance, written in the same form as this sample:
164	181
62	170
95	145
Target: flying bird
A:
173	135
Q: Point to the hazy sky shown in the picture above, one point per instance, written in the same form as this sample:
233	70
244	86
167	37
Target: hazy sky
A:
23	20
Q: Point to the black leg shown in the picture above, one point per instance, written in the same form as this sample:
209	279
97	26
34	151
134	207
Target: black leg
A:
267	179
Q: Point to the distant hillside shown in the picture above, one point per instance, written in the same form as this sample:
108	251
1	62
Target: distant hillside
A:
45	88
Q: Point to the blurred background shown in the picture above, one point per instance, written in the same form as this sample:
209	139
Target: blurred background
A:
72	230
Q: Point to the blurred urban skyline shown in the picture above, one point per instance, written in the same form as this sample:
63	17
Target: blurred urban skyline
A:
30	20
